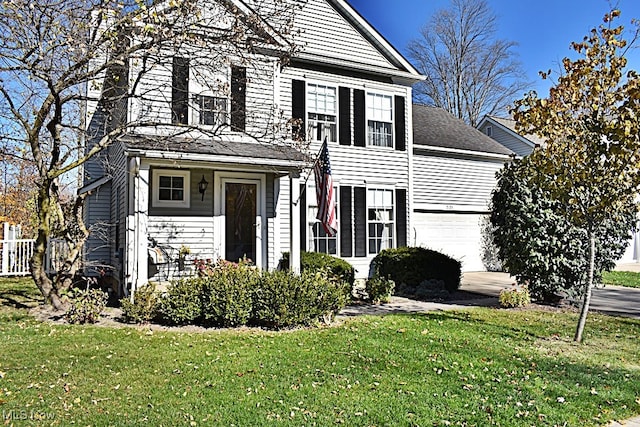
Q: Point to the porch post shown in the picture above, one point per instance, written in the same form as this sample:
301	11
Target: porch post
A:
294	222
138	246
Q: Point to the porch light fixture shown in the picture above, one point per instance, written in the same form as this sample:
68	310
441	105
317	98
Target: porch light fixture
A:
202	186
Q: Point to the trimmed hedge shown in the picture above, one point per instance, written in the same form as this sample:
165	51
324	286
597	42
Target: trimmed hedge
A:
181	304
316	261
285	299
144	306
413	266
227	294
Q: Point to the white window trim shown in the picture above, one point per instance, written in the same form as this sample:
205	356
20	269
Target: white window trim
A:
198	88
312	220
328	84
393	118
196	111
394	210
183	204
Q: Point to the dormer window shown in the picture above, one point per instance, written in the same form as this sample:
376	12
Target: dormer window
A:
489	131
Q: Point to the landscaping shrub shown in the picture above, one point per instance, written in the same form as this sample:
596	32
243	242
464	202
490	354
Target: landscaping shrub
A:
226	297
181	304
144	305
379	289
85	305
285	299
413	266
316	261
516	296
537	241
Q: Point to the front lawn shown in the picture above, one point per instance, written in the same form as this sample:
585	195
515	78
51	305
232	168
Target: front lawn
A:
621	278
474	367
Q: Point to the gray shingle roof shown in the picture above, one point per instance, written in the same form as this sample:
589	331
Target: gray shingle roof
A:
436	127
213	147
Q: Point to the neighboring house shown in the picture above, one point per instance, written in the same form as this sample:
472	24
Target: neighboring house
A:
231	195
503	131
454	173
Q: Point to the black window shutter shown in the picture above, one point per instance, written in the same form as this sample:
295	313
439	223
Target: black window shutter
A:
180	91
344	107
346	249
298	108
400	123
238	98
303	217
360	220
401	217
359	118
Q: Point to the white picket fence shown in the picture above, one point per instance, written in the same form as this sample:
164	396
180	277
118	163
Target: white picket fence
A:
16	253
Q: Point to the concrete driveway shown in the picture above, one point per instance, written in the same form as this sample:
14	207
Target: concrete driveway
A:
614	300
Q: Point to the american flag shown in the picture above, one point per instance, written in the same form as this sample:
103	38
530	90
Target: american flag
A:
325	195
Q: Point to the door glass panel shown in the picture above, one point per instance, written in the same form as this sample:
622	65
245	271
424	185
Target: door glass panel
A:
240	214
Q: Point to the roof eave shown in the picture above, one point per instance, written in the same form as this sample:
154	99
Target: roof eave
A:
471	153
216	158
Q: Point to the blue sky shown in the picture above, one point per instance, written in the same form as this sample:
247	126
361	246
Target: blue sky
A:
543	29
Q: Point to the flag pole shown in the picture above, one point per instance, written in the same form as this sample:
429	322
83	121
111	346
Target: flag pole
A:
310	172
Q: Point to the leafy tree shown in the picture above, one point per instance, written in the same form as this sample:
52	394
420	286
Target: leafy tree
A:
536	239
69	69
590	122
468	71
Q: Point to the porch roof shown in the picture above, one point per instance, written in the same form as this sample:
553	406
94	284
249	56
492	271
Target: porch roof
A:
215	150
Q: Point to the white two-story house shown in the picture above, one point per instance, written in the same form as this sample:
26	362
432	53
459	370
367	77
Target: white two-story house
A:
215	170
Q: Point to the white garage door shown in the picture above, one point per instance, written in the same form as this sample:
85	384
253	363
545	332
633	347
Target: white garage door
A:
455	234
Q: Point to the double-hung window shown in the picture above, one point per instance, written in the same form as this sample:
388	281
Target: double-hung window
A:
319	240
212	111
380	219
171	188
379	120
322	112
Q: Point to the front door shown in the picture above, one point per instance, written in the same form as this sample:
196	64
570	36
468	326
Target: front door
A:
239	209
240	212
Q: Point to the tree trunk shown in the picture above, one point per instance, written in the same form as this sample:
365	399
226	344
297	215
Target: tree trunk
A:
587	294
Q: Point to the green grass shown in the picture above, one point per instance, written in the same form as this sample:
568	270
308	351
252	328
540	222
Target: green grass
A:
476	367
621	278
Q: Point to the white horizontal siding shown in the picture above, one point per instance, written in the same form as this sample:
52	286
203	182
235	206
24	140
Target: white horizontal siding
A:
196	232
453	181
325	32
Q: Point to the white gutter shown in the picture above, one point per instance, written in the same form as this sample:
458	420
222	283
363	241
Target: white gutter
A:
209	158
483	154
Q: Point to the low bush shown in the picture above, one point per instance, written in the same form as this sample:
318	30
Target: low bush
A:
316	261
181	304
516	296
285	299
226	297
144	305
413	266
85	305
379	289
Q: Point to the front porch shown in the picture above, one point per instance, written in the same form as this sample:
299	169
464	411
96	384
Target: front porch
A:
183	208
